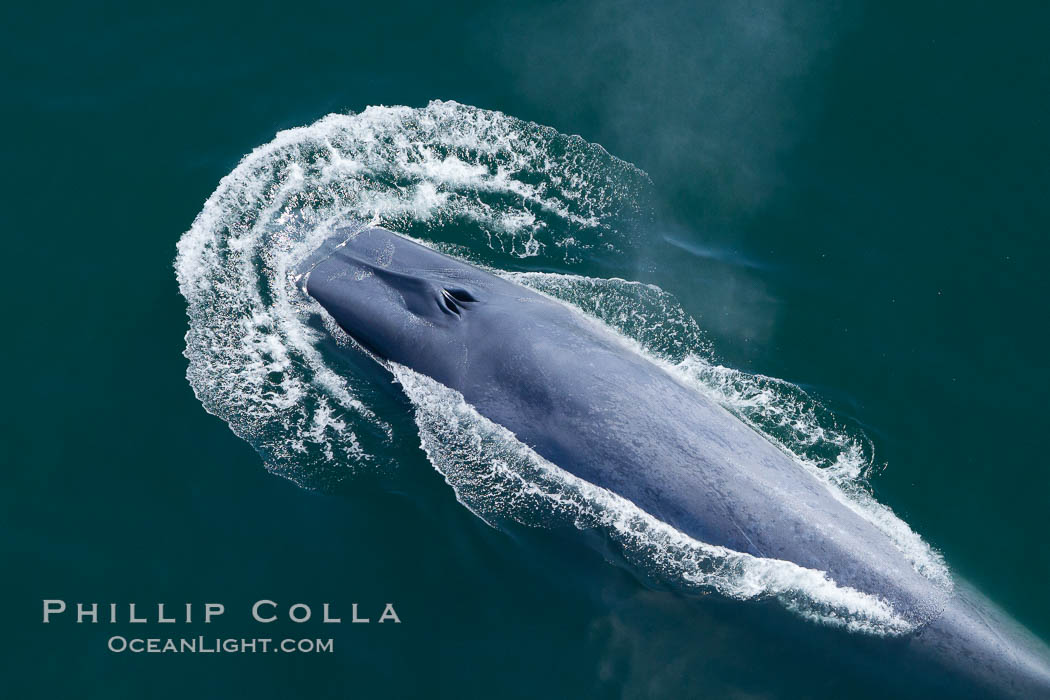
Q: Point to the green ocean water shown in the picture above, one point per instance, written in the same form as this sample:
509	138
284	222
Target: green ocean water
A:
850	198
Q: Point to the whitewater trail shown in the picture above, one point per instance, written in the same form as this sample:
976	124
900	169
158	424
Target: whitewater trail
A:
498	192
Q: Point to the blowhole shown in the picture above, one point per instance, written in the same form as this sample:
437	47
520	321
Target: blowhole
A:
449	302
460	295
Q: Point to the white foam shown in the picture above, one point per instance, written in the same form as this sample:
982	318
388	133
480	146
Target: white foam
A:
497	477
653	324
255	359
493	189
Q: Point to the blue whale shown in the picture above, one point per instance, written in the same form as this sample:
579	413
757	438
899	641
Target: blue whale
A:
583	399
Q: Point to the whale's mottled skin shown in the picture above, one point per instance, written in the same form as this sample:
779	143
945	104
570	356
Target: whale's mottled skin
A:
574	392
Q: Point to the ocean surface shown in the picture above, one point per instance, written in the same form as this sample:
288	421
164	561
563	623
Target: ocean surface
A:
834	221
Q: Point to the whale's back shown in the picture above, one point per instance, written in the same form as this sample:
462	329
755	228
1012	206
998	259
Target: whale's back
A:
584	400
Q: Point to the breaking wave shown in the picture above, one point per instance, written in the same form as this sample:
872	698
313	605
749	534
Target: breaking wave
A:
512	196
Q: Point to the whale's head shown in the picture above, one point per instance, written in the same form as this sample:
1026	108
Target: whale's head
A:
400	300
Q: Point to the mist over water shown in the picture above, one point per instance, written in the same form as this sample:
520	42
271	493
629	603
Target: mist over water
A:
520	199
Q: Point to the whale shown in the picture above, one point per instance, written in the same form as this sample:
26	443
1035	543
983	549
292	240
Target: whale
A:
578	395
